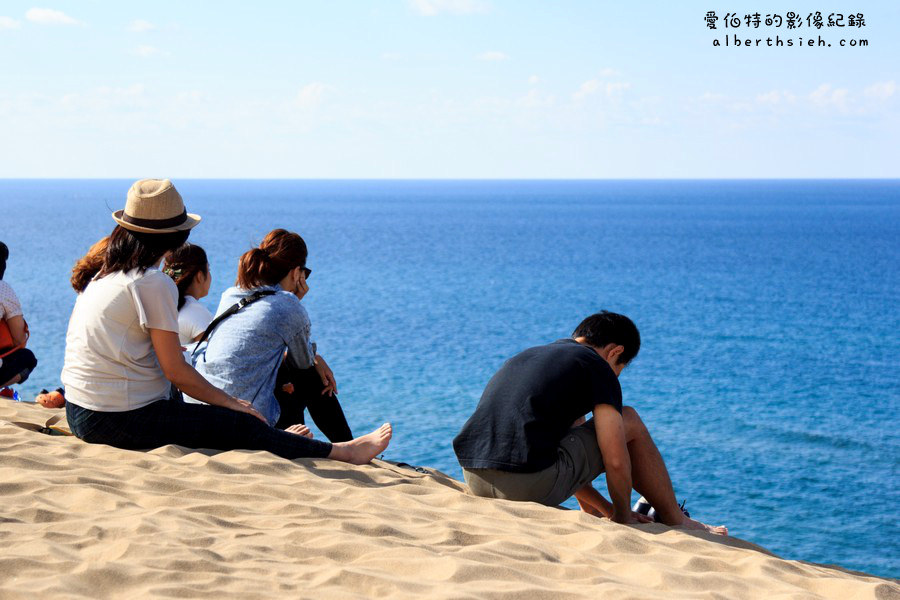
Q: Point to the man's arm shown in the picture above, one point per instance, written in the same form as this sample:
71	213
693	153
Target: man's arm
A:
593	503
614	450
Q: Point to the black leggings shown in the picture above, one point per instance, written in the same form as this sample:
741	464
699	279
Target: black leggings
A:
325	410
21	362
192	425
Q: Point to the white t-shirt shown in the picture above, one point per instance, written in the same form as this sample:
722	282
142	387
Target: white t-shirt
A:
193	319
9	302
110	364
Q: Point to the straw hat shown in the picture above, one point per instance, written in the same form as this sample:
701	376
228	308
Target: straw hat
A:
155	206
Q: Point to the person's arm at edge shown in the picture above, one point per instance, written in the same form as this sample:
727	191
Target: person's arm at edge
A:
302	354
610	430
187	379
17	330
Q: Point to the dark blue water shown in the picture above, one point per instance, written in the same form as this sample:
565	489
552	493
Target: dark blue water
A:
770	367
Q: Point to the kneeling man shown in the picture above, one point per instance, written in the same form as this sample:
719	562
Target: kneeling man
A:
527	439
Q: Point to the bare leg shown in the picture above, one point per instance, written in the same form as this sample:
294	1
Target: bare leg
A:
361	450
651	478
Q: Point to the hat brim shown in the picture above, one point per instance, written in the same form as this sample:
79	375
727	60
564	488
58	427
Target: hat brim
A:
191	222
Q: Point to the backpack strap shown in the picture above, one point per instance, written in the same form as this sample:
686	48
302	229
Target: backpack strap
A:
234	308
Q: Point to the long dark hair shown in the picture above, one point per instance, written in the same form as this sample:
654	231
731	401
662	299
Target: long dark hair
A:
128	250
278	253
4	254
183	265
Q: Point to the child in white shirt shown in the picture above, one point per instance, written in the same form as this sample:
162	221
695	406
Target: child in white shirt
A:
189	268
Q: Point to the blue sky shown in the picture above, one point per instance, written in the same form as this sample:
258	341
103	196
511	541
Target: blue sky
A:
439	88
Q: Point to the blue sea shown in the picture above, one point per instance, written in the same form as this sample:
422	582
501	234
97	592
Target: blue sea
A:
769	310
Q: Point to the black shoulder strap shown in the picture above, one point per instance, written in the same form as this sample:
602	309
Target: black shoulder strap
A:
231	310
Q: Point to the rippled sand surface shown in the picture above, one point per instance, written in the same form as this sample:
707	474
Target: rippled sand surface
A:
88	521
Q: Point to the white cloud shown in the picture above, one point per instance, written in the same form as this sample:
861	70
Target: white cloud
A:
312	94
493	56
535	99
769	98
430	8
534	80
149	51
107	98
881	91
140	25
871	101
190	97
391	56
825	97
775	98
593	86
713	97
48	16
617	87
587	88
8	23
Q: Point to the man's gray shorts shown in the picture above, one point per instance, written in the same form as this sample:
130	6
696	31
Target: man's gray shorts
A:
578	462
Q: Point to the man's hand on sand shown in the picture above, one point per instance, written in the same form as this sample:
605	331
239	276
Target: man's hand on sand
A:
632	519
641	518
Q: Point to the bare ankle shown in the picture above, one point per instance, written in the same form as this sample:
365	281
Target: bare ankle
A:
339	451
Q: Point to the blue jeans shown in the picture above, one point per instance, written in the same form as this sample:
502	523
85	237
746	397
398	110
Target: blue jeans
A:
192	425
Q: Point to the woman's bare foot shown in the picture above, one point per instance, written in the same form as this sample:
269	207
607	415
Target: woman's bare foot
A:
690	523
363	449
300	429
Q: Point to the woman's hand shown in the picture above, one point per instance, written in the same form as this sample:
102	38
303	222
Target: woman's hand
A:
245	407
327	376
188	380
302	287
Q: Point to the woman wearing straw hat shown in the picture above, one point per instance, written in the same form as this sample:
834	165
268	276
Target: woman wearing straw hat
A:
122	352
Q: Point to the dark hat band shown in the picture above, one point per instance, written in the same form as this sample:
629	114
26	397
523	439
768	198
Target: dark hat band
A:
155	223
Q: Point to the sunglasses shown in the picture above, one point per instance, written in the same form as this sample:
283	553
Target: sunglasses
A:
306	272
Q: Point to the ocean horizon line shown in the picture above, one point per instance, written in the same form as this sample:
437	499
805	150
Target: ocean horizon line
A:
472	179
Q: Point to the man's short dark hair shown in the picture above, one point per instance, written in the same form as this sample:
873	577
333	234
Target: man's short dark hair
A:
610	328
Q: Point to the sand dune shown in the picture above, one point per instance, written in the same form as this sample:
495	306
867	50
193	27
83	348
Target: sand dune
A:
87	521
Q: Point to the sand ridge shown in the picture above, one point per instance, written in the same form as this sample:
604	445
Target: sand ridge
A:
91	521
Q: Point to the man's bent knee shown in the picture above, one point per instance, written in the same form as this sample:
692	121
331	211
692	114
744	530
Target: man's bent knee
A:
633	423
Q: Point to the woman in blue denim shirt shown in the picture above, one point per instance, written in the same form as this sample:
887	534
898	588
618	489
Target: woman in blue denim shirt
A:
264	352
123	352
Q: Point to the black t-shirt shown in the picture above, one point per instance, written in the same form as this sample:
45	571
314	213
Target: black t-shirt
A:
531	403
